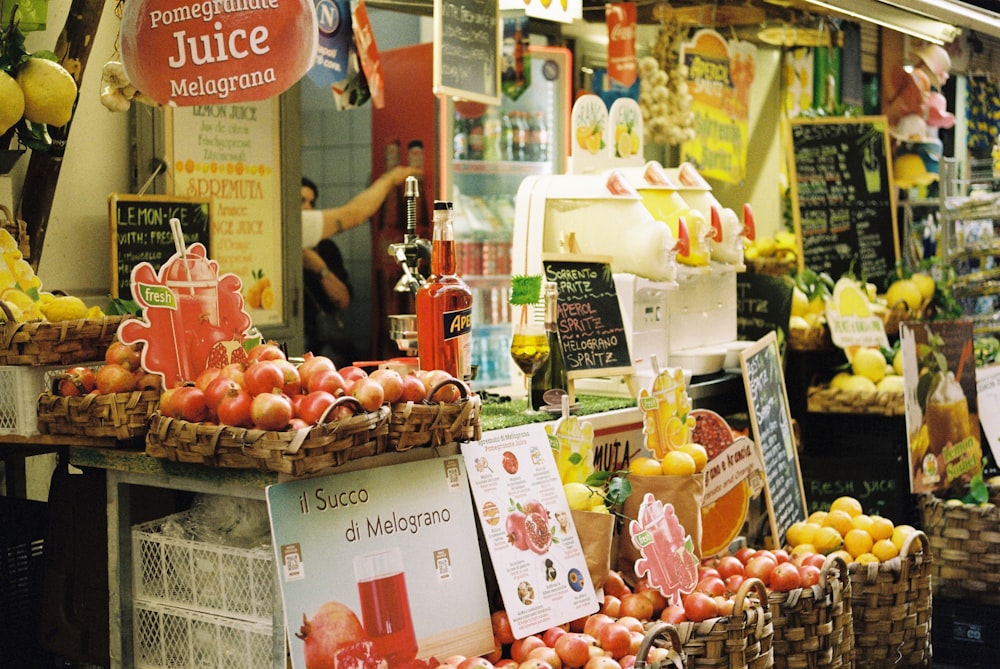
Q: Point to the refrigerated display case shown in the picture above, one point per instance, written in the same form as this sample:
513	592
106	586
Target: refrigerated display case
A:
485	153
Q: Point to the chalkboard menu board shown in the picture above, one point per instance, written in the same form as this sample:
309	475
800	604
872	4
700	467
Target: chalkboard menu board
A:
140	232
843	198
763	303
771	419
589	316
467	49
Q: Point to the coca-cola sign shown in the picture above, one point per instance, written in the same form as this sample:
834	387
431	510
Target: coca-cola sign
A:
621	19
217	51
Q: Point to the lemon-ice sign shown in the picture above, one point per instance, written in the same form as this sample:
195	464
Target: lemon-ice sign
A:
852	316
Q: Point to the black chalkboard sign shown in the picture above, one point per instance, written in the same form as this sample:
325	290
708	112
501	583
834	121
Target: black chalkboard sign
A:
140	231
589	316
763	303
771	419
467	49
843	197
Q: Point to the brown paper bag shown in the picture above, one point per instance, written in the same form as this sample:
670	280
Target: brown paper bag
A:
685	493
596	532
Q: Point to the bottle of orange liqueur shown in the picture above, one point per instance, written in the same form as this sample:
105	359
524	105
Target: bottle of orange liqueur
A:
444	305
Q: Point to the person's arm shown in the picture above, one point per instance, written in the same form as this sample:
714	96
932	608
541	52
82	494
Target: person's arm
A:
363	205
336	289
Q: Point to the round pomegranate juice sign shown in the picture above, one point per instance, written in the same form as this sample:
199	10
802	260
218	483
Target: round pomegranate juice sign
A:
217	51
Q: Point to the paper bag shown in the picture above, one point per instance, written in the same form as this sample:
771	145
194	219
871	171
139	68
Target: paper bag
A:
685	493
597	534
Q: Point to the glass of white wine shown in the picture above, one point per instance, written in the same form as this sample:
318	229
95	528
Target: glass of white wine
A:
530	351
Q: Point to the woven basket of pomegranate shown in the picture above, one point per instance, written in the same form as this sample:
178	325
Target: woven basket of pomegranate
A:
965	538
823	399
119	415
18	230
449	414
310	450
61	343
891	608
740	640
813	625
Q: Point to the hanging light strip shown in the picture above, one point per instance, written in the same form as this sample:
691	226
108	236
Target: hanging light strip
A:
893	18
957	13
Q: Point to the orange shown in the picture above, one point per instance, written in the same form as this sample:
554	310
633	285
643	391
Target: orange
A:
866	558
884	549
838	520
843	555
801	533
827	540
645	466
862	521
846	503
881	528
697	453
816	517
723	519
857	542
677	463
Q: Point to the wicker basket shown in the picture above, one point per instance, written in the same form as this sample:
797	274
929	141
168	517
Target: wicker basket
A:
965	539
891	607
414	424
294	452
813	626
18	229
741	640
832	400
119	415
770	266
812	339
63	343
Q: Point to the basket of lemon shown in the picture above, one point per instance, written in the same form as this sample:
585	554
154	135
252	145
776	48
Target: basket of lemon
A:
868	388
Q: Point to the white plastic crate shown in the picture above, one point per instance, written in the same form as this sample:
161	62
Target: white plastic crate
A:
167	636
212	578
20	386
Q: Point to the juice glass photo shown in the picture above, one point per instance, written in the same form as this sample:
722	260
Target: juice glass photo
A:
385	605
195	284
947	415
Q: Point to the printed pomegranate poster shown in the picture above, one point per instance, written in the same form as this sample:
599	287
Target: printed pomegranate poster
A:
528	529
366	560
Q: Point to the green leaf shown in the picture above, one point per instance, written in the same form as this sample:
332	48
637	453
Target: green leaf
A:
119	307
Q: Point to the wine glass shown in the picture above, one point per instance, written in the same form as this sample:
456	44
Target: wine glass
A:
530	350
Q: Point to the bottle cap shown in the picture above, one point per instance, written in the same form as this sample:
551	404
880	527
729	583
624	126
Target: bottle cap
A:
442	204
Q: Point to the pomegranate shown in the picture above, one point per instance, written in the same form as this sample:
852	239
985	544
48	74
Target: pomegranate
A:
217	389
293	382
501	627
166	406
368	392
234	408
263	376
516	533
441	393
268	350
148	381
271	411
313	405
235	371
329	380
413	389
114	378
391	382
76	381
352	373
206	377
126	355
537	530
333	627
313	364
189	404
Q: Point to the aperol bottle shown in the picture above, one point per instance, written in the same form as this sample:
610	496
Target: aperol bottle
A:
444	305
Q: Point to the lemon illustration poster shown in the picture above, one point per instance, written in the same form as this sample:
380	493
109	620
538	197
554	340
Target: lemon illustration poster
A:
366	559
942	415
540	566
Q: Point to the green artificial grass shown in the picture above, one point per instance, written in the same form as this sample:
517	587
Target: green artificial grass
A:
497	415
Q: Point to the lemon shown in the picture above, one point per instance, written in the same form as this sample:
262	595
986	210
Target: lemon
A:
800	532
678	463
766	247
925	284
900	534
65	308
800	303
11	102
890	383
827	540
866	558
817	305
882	528
645	466
798	323
905	291
839	520
49	91
862	521
802	549
870	363
856	383
816	517
850	299
579	496
838	380
897	362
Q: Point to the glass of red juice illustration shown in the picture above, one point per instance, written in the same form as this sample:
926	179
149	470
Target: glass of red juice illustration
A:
385	605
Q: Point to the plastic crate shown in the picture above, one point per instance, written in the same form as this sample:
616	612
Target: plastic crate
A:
20	386
211	578
23	524
167	636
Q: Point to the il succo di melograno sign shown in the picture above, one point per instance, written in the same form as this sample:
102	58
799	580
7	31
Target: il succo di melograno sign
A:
217	51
